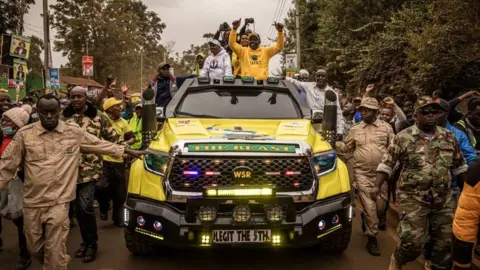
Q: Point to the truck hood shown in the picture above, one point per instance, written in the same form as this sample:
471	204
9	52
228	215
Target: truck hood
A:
266	130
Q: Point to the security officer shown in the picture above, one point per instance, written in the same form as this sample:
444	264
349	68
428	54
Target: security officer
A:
49	152
368	141
427	153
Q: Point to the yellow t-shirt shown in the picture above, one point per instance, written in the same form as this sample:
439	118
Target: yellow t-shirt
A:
254	63
121	127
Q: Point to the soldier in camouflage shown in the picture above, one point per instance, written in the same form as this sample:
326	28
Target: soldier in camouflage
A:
427	153
87	116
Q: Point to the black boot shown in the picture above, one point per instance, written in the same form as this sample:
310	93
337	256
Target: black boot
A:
364	218
372	246
90	255
22	263
382	221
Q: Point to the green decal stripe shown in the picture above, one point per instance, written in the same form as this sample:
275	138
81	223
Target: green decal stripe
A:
233	147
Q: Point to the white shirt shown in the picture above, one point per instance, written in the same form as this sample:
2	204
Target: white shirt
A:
217	66
316	99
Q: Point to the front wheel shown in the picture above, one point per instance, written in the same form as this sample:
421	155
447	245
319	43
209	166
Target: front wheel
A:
339	243
139	245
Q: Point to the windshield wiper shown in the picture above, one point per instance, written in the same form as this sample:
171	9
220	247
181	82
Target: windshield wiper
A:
196	115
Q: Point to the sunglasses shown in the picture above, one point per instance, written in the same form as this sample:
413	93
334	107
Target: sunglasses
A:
429	112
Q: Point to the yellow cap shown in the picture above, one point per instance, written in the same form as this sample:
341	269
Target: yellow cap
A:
3	90
111	102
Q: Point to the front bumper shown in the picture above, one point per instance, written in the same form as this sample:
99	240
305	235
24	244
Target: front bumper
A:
300	229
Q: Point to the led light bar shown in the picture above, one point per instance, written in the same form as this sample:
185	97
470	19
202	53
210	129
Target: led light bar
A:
212	173
190	173
289	173
273	173
239	192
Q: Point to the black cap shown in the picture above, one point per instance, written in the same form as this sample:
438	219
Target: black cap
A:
444	104
27	99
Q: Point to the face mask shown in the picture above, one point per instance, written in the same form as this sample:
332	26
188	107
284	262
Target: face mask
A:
8	131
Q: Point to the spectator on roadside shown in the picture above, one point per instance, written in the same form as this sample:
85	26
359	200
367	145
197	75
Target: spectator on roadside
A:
49	152
437	95
466	230
217	65
304	75
199	62
135	124
11	199
93	121
470	124
113	188
455	115
316	96
255	59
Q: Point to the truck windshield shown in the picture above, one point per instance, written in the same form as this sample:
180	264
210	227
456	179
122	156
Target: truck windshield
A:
243	104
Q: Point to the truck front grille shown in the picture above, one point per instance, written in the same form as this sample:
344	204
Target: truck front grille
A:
188	173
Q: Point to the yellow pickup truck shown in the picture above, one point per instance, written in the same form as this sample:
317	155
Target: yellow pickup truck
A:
238	163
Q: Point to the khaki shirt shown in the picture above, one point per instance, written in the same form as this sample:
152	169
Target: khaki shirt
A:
368	143
50	161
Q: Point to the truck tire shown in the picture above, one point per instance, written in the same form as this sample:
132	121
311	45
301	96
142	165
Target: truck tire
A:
339	243
139	245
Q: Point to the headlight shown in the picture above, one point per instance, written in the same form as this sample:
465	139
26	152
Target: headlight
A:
156	163
325	162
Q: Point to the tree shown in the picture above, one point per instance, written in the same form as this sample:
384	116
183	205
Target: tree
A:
114	32
405	47
184	64
36	48
10	13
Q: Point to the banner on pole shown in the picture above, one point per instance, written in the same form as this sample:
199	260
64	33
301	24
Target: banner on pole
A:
291	64
20	47
19	71
54	78
87	65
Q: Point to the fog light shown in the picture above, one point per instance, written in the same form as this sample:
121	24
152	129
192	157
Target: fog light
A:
241	213
205	239
276	239
207	213
157	225
321	225
140	221
274	213
335	220
126	216
350	213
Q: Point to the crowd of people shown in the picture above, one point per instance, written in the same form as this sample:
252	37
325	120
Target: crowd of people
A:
45	186
421	156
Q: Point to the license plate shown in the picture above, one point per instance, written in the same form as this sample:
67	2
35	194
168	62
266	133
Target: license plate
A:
241	236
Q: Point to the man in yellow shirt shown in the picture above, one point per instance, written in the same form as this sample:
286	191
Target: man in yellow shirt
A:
254	59
113	185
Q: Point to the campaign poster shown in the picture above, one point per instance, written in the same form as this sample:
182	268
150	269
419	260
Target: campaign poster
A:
87	66
19	70
291	64
54	78
20	47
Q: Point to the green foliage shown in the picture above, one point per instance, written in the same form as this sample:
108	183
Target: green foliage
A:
36	48
404	46
185	63
10	11
116	32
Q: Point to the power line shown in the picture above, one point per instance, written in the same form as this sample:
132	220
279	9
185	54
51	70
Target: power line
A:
272	27
274	16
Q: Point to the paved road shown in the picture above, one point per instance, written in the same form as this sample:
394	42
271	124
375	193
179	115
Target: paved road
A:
114	255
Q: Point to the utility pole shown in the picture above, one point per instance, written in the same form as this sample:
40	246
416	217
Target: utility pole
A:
297	32
141	71
46	41
22	13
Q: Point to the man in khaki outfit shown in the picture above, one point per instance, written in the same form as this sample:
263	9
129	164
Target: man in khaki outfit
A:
49	152
368	141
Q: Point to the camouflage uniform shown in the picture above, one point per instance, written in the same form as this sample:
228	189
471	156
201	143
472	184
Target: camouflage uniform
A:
90	170
424	191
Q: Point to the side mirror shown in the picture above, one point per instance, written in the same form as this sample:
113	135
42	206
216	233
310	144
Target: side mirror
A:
160	114
317	116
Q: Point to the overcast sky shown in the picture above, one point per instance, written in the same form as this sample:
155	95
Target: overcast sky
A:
188	20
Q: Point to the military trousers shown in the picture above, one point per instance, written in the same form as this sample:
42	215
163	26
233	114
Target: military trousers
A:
46	231
86	214
420	221
365	181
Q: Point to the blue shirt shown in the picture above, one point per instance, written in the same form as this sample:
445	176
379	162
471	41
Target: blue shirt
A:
465	146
